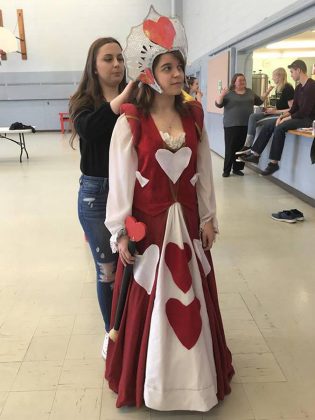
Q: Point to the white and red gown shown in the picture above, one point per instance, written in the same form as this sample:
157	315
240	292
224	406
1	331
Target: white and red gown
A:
171	352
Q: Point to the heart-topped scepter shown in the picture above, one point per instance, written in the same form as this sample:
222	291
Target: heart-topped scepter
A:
136	231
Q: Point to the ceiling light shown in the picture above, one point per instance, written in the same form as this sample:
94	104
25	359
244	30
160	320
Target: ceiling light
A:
308	43
266	54
284	54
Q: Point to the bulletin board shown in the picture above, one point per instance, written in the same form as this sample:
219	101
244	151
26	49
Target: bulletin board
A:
218	79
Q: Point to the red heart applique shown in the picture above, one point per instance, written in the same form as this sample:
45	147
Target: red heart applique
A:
147	77
161	32
185	321
135	230
177	260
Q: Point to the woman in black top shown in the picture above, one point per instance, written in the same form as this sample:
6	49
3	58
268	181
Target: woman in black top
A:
94	109
284	98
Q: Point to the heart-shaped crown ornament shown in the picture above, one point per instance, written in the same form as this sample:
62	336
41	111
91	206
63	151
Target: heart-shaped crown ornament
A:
156	35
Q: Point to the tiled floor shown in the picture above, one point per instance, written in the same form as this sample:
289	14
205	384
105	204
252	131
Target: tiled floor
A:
50	326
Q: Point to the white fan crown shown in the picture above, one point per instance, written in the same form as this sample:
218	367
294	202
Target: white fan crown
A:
156	35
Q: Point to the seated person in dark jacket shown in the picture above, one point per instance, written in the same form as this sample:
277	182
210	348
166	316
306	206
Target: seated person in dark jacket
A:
301	114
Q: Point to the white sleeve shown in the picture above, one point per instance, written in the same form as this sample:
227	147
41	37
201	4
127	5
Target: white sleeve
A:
123	164
204	185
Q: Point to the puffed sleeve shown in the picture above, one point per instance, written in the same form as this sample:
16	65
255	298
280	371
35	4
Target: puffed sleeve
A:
204	185
123	164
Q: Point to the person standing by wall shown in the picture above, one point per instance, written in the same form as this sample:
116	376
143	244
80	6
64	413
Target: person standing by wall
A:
94	109
238	102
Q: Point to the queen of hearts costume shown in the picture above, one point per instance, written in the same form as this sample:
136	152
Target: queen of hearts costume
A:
171	352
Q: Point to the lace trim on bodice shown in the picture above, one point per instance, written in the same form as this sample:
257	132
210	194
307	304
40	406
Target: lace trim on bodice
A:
173	143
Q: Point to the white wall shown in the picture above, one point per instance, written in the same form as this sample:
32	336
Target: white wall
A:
210	23
59	32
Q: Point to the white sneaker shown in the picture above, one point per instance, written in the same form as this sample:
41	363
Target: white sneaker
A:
245	150
105	345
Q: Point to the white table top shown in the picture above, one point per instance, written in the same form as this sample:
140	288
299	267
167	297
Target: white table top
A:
6	130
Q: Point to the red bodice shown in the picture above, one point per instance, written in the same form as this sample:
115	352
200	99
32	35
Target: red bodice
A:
160	192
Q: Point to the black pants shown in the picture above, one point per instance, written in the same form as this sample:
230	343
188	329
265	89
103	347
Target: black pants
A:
279	133
234	138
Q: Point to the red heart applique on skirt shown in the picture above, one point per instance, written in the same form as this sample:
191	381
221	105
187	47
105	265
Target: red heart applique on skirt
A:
177	260
185	321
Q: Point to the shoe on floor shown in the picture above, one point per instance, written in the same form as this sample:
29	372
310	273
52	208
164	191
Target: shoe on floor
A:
298	214
105	345
250	158
238	172
271	168
284	216
225	174
245	150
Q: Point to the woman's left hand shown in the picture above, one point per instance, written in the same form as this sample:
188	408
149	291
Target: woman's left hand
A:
208	235
281	120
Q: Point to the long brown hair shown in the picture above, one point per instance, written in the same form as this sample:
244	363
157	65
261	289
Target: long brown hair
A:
145	96
89	93
232	84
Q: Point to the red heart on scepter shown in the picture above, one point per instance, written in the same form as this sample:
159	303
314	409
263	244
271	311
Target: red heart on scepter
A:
161	32
135	230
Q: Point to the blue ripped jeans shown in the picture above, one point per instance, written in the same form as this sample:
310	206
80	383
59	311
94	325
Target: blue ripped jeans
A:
92	200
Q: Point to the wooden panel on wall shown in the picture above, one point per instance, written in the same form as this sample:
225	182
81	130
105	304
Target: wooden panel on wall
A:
22	33
3	56
218	78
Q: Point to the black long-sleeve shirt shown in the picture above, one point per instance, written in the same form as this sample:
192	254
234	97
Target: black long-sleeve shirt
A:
95	128
304	101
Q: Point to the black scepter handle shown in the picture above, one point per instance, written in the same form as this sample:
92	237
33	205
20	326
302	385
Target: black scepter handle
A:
113	334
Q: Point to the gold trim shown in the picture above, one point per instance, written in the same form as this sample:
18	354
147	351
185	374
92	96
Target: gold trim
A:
132	117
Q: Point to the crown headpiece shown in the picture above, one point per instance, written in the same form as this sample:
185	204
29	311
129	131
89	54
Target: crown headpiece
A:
156	35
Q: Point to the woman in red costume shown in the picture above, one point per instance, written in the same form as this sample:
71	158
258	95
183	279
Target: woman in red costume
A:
171	352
